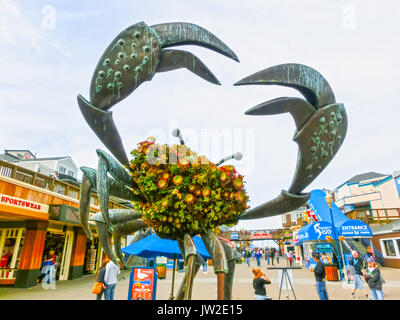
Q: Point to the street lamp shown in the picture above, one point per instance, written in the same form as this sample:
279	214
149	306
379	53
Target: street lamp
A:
329	201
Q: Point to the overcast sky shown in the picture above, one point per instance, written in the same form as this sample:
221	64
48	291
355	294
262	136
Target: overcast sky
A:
49	50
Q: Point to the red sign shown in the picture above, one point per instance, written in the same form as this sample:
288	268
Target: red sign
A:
261	235
142	284
16	202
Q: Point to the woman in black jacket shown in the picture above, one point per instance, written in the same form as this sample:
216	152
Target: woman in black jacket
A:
374	280
259	282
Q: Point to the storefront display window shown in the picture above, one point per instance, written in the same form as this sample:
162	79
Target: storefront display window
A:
10	249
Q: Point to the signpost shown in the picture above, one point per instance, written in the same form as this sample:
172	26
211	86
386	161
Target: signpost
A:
323	247
142	284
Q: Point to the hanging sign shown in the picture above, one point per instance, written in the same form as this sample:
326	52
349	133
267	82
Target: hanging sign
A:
142	284
260	235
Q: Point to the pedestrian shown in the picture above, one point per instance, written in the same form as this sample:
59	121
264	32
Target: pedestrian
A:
319	273
374	279
51	269
258	255
277	256
369	254
110	280
272	255
290	258
293	259
100	277
324	258
267	256
357	262
259	282
204	267
247	256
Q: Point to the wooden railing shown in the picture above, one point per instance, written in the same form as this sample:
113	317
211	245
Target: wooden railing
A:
383	215
10	170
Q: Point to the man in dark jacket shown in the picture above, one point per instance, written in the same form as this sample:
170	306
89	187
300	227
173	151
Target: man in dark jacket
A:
319	273
358	263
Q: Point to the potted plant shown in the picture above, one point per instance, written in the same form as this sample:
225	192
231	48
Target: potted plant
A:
161	270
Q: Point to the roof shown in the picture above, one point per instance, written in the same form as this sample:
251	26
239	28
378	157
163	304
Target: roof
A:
367	176
50	158
9	157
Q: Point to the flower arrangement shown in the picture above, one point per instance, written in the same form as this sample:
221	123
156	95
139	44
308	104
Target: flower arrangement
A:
329	238
184	192
341	238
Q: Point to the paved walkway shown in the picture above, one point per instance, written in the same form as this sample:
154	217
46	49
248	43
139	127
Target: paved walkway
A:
205	287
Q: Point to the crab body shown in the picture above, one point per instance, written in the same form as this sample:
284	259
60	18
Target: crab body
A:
179	200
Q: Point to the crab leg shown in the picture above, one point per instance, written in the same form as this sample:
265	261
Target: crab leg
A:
232	257
220	263
106	165
199	261
89	182
125	221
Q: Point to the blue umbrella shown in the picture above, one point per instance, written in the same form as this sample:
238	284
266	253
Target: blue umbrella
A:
154	246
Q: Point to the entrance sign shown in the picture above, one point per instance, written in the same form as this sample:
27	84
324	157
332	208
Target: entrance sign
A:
355	228
142	284
260	235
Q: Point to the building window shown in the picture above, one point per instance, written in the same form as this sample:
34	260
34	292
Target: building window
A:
389	247
62	170
70	173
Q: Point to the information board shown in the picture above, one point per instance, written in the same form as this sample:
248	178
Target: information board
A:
142	284
323	247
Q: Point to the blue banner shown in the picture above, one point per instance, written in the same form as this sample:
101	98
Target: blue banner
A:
355	228
316	231
234	236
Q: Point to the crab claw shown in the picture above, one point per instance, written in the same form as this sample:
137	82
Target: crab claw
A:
321	127
132	58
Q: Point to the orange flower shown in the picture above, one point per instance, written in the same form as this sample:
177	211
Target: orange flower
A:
189	198
162	183
206	192
177	180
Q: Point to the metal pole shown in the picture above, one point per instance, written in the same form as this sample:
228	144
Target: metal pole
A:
344	263
337	247
171	296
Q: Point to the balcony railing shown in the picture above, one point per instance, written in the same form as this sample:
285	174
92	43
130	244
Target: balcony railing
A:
10	170
383	215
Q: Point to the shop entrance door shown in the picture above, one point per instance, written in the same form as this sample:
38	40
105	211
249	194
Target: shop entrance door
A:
10	241
66	255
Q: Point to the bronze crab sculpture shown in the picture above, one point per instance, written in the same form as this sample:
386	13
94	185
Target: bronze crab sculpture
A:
133	57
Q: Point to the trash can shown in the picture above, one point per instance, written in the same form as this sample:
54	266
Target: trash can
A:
331	272
181	265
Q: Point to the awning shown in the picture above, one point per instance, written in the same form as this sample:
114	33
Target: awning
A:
316	231
154	246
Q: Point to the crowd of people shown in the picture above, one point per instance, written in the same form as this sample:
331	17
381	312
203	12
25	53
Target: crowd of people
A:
360	270
257	254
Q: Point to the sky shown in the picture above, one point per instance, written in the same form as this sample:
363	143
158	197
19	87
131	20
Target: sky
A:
49	50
